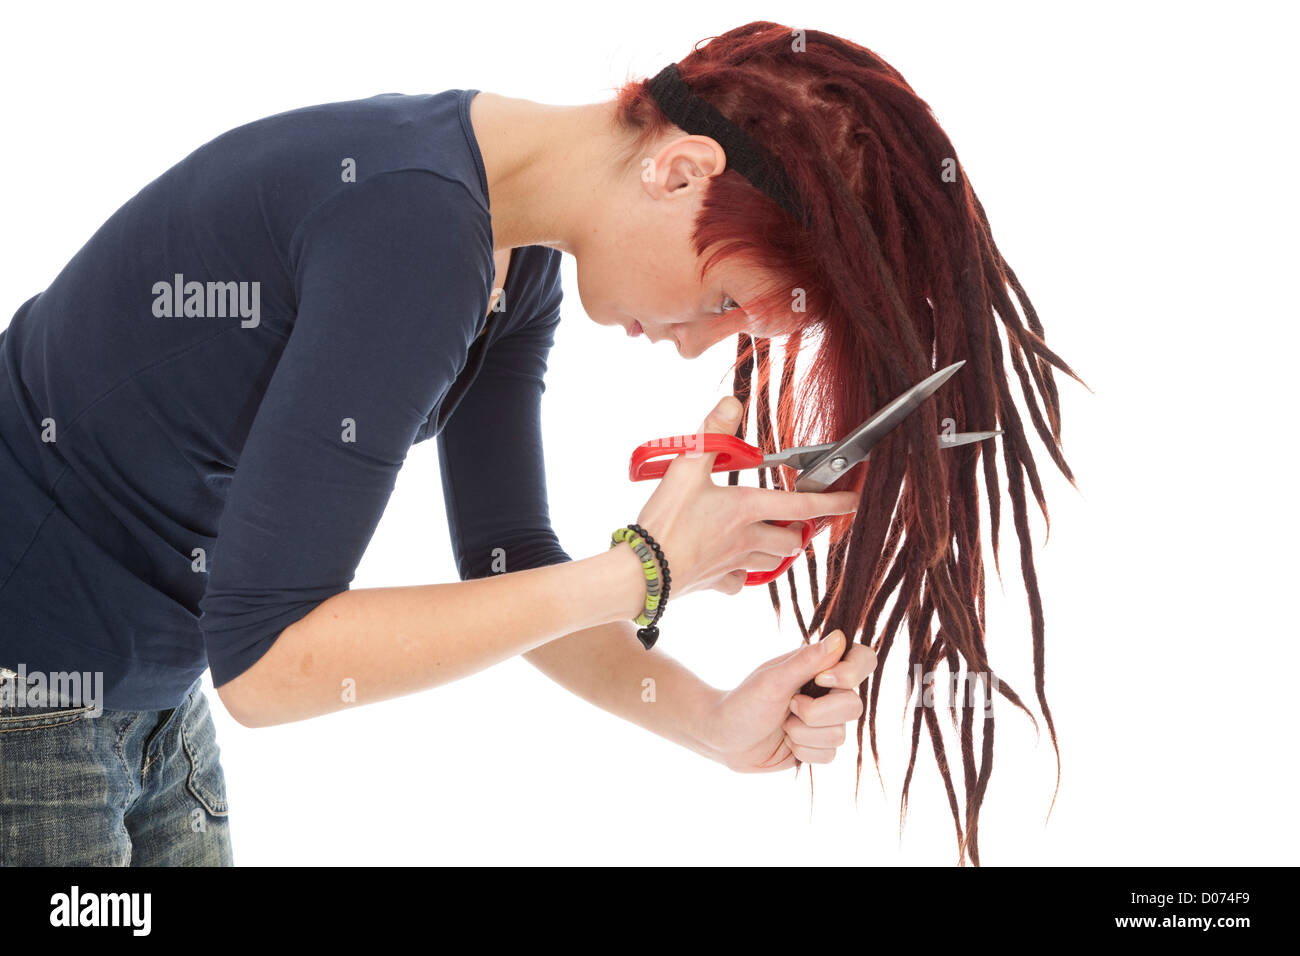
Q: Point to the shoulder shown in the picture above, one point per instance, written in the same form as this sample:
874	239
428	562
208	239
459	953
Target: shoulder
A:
537	291
349	160
408	214
552	292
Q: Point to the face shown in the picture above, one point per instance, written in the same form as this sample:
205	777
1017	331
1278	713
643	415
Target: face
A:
638	269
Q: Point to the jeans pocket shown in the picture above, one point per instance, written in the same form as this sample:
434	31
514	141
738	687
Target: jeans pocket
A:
29	704
199	736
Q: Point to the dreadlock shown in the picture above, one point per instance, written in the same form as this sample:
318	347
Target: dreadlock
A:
895	275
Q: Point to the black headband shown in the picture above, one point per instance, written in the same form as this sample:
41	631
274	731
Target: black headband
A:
699	118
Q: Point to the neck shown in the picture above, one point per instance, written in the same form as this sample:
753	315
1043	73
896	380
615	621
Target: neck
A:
547	169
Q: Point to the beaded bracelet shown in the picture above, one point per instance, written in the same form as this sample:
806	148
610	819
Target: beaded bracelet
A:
652	557
668	578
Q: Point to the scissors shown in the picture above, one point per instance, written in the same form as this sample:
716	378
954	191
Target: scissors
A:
819	466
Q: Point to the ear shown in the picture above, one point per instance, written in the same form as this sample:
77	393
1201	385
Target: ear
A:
682	168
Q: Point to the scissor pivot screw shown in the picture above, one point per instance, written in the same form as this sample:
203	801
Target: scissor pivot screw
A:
839	464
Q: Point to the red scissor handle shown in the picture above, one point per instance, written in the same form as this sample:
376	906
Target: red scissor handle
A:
651	459
762	577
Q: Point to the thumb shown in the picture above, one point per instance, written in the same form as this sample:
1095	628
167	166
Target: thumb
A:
723	420
724	417
815	658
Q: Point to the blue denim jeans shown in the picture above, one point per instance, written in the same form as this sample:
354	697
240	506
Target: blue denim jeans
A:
121	788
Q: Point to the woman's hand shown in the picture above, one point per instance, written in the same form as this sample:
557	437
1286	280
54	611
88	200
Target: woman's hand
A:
765	723
714	535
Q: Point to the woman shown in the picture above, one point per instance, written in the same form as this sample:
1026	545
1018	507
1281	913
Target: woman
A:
201	421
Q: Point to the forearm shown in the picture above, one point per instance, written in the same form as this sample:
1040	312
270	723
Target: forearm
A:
367	645
608	667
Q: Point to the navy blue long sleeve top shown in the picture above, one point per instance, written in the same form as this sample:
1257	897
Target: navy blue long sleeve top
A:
203	417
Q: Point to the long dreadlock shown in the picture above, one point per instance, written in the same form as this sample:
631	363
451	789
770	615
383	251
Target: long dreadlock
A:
896	275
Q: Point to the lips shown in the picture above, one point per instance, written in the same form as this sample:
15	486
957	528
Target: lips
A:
634	329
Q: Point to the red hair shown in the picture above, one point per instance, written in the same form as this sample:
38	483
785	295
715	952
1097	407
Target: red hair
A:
898	275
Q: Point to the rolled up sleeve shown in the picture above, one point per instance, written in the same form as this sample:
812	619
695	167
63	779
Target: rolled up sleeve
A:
492	463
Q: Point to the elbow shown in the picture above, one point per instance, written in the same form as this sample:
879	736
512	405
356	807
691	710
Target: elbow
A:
259	695
250	696
241	701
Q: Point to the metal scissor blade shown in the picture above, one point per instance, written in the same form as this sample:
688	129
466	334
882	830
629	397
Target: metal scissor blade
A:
797	458
842	456
805	455
965	438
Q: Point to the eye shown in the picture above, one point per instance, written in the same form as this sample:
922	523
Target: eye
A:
728	303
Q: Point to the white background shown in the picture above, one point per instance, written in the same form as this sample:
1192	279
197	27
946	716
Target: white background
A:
1138	165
